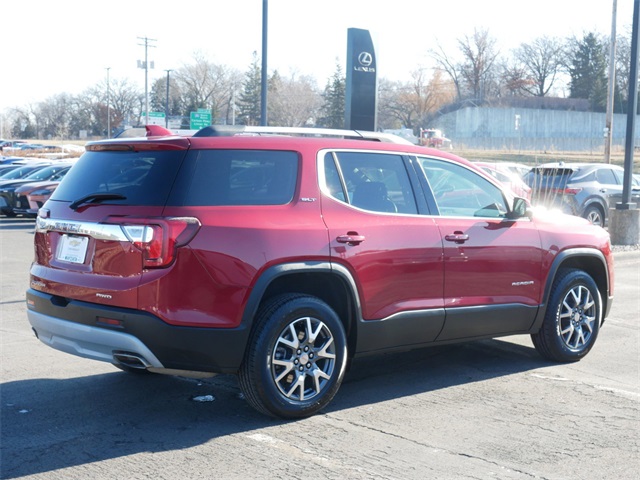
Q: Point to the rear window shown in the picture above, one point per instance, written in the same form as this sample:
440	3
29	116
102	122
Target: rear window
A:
236	177
548	177
143	178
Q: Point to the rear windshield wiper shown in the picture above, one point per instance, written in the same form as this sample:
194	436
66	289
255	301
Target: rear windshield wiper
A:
96	198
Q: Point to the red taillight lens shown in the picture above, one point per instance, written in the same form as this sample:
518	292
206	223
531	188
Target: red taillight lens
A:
566	191
158	238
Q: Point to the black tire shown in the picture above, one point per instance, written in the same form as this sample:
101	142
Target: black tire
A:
296	358
572	321
595	215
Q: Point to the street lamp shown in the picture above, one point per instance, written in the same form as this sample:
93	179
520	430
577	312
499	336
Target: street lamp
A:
108	106
166	105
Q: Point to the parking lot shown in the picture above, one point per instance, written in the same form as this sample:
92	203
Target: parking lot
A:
489	409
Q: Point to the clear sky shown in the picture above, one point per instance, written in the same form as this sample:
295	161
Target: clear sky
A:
56	46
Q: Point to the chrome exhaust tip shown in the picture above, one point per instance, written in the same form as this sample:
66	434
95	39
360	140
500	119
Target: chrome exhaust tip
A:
131	360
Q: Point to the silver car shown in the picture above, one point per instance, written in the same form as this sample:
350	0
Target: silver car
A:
587	190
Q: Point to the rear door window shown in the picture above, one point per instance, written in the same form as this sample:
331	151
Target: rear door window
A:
376	182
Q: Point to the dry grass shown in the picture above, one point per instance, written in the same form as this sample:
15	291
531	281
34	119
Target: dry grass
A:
536	158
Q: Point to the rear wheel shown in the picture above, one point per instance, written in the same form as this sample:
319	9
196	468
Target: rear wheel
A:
296	358
572	320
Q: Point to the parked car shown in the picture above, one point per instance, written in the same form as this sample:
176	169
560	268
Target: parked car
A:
11	144
6	168
31	196
279	258
520	169
587	190
8	186
507	177
21	171
10	160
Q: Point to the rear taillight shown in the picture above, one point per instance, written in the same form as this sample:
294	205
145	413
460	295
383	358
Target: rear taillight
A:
159	238
566	191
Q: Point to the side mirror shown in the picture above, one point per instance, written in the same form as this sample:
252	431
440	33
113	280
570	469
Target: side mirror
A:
521	209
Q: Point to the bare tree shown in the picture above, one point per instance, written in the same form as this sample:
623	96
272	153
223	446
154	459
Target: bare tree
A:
127	103
450	66
414	104
23	122
542	62
477	69
294	101
54	116
207	85
514	80
623	66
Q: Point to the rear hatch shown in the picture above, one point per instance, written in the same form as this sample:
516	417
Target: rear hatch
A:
103	225
549	185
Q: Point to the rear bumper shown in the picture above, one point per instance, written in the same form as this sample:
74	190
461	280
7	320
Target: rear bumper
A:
76	328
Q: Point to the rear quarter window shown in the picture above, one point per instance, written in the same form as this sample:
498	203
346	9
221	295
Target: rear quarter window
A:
236	177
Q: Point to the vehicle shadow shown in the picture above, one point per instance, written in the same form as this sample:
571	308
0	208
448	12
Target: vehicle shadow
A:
17	223
52	424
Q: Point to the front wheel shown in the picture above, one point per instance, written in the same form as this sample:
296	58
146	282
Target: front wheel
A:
594	214
296	358
572	320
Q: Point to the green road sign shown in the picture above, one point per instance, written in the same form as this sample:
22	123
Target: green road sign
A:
200	119
155	118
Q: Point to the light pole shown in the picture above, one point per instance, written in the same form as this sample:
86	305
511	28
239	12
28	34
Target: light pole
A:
145	65
263	83
166	105
611	87
108	106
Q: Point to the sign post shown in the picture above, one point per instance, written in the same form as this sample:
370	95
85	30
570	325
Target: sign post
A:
361	96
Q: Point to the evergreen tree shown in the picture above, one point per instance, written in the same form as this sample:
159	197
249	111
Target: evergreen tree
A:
588	71
249	105
332	110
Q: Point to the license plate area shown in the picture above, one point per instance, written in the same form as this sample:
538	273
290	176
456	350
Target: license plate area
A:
72	249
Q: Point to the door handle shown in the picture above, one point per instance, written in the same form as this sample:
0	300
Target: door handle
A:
457	237
351	238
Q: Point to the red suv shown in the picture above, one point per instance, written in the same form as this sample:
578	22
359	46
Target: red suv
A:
279	258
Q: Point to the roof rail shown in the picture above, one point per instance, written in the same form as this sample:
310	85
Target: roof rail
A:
229	130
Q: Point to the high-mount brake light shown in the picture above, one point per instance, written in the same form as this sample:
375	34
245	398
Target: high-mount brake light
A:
159	238
109	148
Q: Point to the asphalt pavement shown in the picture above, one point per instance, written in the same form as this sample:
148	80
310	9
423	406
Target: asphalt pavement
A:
483	410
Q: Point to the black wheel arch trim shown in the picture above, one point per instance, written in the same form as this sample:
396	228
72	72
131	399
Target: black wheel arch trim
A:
274	272
557	263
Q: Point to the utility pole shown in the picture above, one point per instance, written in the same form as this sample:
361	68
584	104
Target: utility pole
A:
108	106
166	105
145	65
263	90
608	129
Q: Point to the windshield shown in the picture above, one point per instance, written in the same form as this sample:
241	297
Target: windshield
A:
18	173
45	173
